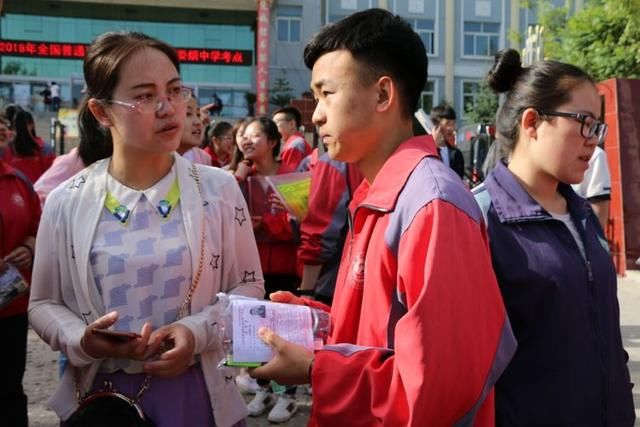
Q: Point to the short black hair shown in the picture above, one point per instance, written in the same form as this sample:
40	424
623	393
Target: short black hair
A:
442	111
385	44
292	113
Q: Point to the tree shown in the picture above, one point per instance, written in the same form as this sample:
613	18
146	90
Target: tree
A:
484	107
603	38
281	92
16	68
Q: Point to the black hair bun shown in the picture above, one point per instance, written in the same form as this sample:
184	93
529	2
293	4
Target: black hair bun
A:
505	71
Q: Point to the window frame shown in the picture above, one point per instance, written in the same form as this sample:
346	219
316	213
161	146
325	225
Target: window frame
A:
480	34
464	94
433	93
434	41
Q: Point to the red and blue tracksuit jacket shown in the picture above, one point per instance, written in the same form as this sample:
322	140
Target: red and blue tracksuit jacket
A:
419	331
19	219
323	229
294	150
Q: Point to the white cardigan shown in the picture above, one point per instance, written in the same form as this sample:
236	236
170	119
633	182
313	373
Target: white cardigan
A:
64	296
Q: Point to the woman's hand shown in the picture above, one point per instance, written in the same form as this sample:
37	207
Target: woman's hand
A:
179	344
276	203
101	347
20	257
290	366
244	169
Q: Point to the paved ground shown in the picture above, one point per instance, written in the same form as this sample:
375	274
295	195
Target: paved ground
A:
629	297
42	368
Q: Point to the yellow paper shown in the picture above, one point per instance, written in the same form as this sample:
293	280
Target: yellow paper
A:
293	189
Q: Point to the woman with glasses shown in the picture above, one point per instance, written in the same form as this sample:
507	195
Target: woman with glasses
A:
140	243
550	255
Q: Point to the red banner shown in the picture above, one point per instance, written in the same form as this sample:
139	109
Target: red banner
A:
40	49
262	60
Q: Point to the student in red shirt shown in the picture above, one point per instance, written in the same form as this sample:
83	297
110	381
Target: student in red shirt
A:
24	152
295	147
419	333
274	236
219	143
19	217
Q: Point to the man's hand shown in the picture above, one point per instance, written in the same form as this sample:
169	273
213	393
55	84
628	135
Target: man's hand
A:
290	366
99	347
179	343
286	297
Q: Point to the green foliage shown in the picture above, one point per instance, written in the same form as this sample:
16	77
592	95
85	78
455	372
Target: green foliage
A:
16	68
553	20
281	92
603	38
485	106
516	37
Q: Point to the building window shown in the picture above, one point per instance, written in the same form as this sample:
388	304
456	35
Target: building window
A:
469	94
426	30
427	97
481	38
288	23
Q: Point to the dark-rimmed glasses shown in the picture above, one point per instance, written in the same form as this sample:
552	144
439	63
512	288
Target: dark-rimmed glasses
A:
589	126
152	103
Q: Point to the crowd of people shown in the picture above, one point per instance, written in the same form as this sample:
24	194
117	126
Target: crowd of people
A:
127	239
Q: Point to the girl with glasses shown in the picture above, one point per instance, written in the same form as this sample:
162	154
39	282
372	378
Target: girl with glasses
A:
550	255
140	242
277	245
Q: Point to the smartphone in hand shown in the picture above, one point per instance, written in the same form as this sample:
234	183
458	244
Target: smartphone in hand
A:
122	336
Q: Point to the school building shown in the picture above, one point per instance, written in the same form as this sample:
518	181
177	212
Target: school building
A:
235	47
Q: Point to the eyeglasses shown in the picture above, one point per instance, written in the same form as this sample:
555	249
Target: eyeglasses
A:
589	126
152	103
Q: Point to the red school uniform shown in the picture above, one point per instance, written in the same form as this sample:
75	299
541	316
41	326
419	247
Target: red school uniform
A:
294	150
19	218
420	334
31	166
275	239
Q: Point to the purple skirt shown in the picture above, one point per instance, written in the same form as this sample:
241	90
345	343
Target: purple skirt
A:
168	402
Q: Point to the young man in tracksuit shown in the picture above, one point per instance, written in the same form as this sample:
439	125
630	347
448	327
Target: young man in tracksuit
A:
419	333
294	148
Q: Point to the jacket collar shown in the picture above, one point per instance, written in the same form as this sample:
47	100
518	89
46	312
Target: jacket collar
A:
383	193
512	203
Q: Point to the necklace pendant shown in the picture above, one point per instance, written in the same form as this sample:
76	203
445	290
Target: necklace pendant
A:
164	207
121	213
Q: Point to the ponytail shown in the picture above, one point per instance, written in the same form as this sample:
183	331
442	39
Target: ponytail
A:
95	141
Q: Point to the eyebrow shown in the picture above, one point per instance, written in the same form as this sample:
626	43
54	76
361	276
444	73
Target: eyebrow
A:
148	85
318	84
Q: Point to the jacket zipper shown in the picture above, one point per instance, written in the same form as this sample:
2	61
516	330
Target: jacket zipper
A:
351	222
